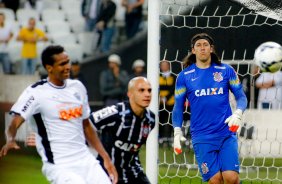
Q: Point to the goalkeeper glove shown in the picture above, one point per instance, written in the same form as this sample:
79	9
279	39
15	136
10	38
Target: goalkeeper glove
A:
178	137
235	121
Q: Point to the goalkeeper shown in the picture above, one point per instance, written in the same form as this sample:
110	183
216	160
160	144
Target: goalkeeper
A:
206	82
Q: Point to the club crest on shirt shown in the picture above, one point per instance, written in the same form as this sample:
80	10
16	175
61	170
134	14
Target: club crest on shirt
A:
217	76
146	130
204	168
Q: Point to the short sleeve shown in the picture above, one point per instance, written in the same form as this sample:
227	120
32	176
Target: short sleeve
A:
27	104
104	117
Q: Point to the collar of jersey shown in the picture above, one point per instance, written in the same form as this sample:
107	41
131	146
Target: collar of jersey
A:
55	86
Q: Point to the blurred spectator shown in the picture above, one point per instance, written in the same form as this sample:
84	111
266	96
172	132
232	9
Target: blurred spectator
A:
113	81
90	10
76	73
11	4
32	3
6	35
105	24
270	90
133	16
30	35
138	69
167	83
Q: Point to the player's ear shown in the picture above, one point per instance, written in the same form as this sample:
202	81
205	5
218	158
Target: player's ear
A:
212	48
128	94
49	68
193	50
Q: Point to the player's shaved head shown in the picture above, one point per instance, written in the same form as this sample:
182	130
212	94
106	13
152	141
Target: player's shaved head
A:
132	83
139	94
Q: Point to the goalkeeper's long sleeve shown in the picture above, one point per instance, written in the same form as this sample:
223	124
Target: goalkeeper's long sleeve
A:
180	97
241	99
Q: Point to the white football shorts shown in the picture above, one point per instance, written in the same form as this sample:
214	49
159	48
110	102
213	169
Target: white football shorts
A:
84	171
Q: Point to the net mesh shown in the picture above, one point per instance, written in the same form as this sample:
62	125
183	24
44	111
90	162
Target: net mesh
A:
224	17
271	8
260	140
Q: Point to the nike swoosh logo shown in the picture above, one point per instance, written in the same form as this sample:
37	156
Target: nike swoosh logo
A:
194	79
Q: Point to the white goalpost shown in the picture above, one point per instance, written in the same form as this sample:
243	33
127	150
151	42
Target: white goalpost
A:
260	141
153	59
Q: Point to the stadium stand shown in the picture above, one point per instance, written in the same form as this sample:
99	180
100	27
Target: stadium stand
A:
14	49
70	29
47	4
9	14
70	5
75	51
64	38
49	15
88	46
77	25
24	14
57	27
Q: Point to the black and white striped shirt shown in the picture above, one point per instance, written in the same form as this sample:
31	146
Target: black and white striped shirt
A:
123	134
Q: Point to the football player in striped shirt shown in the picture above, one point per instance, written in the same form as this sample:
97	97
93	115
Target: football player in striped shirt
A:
206	82
59	106
125	128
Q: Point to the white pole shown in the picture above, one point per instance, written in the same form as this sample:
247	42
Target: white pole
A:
153	59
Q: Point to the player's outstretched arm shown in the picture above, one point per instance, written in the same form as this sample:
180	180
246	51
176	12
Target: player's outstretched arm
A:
177	113
93	139
11	134
235	120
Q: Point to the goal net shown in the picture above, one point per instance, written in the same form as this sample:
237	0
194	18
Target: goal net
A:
238	27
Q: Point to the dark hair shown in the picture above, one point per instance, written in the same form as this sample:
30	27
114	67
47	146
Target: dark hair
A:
48	53
191	58
201	36
75	62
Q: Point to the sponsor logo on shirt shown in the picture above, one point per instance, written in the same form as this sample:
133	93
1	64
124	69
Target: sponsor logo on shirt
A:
70	113
28	103
209	91
103	113
127	146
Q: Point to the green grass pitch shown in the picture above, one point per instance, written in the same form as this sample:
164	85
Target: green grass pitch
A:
24	167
